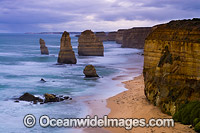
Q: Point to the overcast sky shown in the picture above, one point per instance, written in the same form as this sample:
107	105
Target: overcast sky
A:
98	15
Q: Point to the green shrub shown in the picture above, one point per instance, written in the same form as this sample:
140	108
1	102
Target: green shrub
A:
187	113
196	120
197	127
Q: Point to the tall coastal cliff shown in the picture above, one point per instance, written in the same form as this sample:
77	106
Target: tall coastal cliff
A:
135	37
172	64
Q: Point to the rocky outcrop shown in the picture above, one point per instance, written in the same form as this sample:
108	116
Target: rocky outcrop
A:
90	45
111	36
66	54
29	97
135	37
43	48
101	35
171	64
47	98
90	71
119	36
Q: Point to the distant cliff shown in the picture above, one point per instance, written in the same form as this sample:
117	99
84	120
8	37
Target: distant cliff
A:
172	64
135	37
119	36
111	36
101	35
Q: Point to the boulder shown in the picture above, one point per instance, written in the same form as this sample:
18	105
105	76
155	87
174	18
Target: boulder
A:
43	48
90	45
90	71
50	98
28	97
66	54
42	80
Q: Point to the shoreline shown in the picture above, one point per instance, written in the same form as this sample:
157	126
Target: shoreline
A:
131	103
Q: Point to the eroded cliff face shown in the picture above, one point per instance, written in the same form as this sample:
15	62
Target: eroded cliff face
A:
172	64
135	37
90	45
66	54
119	36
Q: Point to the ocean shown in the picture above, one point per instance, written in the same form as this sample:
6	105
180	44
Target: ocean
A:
22	66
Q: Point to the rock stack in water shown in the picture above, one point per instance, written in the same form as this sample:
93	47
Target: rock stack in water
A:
66	54
90	45
90	71
172	64
43	48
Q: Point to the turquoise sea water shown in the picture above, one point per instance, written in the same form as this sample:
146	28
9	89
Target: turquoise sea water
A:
22	66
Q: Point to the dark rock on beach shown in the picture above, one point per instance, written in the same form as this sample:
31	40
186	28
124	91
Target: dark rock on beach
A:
90	71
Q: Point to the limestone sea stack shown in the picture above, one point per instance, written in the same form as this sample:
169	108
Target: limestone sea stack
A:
111	36
89	44
101	35
66	54
90	71
172	64
135	37
43	48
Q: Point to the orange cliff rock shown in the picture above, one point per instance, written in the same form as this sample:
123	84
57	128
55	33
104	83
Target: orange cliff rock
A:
172	64
89	44
66	54
43	48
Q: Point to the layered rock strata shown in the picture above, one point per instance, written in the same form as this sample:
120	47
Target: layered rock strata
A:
90	45
43	48
135	37
66	54
172	64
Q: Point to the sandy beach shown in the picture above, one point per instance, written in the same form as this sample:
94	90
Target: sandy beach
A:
132	104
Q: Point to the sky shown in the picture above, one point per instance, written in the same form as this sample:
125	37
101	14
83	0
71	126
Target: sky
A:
19	16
